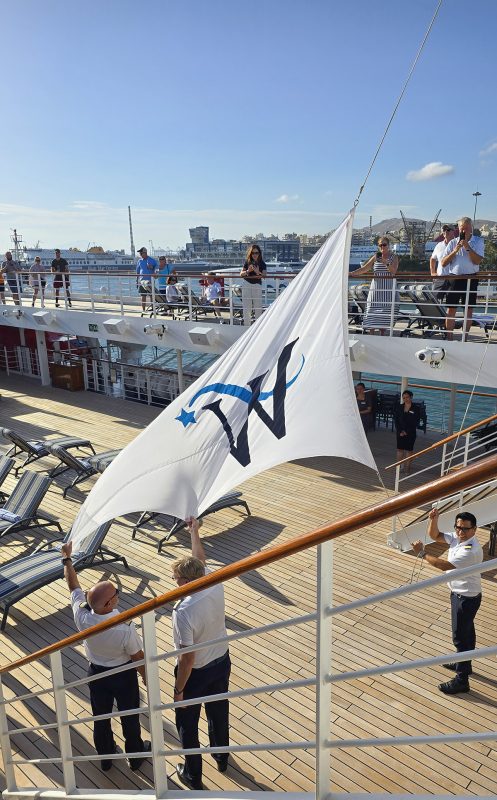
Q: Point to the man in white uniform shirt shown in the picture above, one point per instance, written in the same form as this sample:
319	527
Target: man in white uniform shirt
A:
465	593
438	272
200	617
112	648
462	256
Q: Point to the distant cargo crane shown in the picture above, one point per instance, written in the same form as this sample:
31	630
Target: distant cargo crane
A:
417	234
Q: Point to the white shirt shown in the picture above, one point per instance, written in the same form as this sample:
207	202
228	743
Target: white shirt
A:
200	617
172	293
212	291
110	648
438	252
461	264
464	554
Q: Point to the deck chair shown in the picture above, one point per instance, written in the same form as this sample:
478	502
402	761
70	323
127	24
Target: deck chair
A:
6	465
21	511
83	467
432	314
230	500
34	450
22	576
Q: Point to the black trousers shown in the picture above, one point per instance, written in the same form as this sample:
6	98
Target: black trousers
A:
211	679
463	612
123	689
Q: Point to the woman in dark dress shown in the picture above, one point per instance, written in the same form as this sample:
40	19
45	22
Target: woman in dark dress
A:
406	423
364	406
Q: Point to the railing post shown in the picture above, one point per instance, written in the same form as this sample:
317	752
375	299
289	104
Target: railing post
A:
230	295
466	449
6	361
152	283
466	306
90	291
85	373
62	718
323	669
190	301
444	456
10	775
154	702
392	312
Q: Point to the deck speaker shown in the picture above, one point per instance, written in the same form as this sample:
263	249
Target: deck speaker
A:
202	336
119	326
44	317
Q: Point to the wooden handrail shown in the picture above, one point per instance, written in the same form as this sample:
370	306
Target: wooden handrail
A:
448	484
444	441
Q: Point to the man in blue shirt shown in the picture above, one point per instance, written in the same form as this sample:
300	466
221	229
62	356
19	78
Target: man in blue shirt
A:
145	270
462	258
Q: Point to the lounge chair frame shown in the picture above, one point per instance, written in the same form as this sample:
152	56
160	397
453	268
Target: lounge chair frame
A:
35	450
232	500
29	516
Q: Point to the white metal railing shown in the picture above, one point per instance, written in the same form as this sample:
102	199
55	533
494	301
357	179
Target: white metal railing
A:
412	307
19	360
157	711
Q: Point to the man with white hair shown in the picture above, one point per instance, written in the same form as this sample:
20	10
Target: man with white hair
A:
463	255
105	651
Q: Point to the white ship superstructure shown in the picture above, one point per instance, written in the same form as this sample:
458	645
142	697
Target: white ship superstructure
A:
79	260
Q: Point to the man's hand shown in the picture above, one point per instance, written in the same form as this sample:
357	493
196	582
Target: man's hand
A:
434	514
193	525
66	550
418	547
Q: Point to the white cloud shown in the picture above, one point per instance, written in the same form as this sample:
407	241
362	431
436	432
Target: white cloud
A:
492	148
287	198
88	204
435	169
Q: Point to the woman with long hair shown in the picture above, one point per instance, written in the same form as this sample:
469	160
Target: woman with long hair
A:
406	425
253	271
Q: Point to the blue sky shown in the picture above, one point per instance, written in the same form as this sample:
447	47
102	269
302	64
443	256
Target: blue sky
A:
245	116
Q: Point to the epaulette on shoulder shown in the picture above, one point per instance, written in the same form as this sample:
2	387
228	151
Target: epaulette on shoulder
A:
85	606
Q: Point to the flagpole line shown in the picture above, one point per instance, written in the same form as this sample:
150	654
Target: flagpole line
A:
399	100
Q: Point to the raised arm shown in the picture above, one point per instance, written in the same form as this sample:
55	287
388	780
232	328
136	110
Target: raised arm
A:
197	546
69	571
365	267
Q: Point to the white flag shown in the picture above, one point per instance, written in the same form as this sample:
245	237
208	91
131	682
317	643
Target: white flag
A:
283	391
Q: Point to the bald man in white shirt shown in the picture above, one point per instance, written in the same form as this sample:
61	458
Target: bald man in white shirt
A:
112	648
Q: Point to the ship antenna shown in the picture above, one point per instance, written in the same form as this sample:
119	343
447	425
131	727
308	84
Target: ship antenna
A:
397	104
131	233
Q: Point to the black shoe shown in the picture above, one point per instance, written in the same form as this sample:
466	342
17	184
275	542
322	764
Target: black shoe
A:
221	761
455	686
107	763
453	668
135	763
190	783
56	305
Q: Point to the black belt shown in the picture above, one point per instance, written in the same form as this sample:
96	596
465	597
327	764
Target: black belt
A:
212	663
101	668
469	596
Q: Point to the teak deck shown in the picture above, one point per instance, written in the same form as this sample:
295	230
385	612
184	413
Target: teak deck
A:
287	500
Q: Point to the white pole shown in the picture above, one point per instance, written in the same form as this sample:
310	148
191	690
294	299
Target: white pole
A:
181	377
323	669
10	775
154	702
63	728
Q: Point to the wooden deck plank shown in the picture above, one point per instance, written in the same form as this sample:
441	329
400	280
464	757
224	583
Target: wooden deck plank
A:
288	500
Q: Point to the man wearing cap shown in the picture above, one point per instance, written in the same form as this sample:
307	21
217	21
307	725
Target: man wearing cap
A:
462	256
438	272
145	271
105	651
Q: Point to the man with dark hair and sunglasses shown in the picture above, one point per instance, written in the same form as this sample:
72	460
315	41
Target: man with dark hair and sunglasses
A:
465	593
105	651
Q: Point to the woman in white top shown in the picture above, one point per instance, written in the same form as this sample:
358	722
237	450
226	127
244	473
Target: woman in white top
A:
36	279
173	295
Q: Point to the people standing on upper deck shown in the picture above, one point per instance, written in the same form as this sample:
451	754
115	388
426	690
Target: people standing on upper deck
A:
381	295
60	268
37	279
253	271
406	420
12	271
462	256
439	273
145	271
